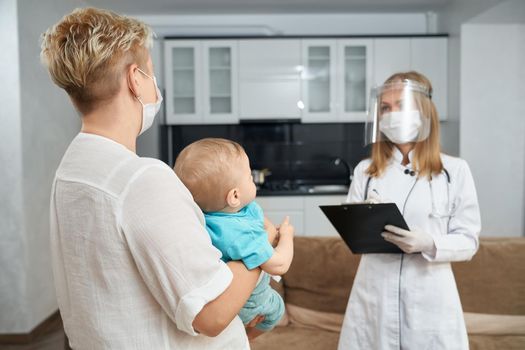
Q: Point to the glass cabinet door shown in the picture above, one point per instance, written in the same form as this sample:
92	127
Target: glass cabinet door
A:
182	82
355	71
220	81
319	64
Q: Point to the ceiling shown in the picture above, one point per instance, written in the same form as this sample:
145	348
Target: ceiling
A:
146	7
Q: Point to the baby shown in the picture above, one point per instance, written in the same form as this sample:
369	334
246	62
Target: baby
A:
217	172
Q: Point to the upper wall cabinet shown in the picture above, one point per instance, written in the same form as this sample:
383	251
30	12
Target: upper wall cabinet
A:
270	78
201	81
183	63
390	56
429	56
355	75
317	80
336	79
425	55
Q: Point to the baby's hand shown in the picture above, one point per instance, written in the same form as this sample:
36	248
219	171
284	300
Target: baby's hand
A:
286	228
271	230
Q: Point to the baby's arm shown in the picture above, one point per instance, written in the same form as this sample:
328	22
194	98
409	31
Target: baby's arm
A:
281	259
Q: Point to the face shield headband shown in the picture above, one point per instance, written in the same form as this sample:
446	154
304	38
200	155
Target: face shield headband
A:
399	112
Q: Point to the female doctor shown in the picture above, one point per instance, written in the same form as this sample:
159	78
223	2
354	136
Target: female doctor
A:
410	300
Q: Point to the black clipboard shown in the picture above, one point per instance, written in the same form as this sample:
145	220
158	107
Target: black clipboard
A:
360	225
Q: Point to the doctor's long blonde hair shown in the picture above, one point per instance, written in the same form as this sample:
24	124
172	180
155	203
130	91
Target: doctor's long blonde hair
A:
427	157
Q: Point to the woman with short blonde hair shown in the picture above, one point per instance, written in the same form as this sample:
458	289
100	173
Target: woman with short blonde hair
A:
133	264
89	50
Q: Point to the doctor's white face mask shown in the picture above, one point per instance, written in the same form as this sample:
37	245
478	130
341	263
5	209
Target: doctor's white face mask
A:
401	127
149	110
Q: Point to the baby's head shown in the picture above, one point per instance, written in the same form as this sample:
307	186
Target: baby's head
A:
217	172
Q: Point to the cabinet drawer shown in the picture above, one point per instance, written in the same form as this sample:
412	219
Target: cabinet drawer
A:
281	203
315	222
296	219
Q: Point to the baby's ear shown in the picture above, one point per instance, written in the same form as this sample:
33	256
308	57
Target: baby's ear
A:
232	198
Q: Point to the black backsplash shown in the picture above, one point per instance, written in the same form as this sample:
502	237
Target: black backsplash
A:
300	153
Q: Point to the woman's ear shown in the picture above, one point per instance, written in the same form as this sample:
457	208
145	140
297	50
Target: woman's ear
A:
232	198
133	81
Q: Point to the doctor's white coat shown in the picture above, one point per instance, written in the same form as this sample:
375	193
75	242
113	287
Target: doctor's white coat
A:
410	301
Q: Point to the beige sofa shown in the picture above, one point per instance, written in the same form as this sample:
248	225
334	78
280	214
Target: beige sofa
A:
317	286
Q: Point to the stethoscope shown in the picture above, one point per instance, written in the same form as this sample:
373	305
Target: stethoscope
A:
450	208
435	213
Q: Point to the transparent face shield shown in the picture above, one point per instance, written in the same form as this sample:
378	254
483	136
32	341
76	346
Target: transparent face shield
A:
399	112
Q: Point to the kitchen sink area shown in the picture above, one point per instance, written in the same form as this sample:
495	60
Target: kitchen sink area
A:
287	157
294	189
327	189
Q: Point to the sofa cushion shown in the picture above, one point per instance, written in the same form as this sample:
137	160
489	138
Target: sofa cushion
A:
321	274
475	323
301	316
493	282
296	338
494	342
494	324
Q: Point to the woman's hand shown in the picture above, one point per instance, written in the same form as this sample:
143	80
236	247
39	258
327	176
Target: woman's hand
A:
256	320
251	331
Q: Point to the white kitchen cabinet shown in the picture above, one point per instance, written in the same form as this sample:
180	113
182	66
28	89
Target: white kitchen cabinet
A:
220	66
315	222
201	81
316	80
391	55
319	80
183	70
276	208
270	78
355	57
426	55
429	56
304	212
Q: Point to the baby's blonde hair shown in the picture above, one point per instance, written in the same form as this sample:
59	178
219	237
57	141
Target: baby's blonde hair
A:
208	168
88	50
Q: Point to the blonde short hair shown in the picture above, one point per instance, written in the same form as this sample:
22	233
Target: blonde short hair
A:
207	168
88	51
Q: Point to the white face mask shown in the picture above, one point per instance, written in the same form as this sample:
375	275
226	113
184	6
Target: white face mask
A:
149	110
401	127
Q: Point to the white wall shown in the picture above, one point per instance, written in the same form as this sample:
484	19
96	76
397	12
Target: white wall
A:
449	20
12	240
40	124
492	114
148	144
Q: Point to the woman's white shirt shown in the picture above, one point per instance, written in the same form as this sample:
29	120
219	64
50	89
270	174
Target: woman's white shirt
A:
132	261
410	301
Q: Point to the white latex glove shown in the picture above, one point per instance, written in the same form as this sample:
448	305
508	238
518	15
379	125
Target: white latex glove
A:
409	241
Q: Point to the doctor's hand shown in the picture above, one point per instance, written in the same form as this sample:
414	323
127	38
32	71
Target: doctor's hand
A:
409	241
373	198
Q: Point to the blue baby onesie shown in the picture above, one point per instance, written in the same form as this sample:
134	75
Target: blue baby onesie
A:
241	236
